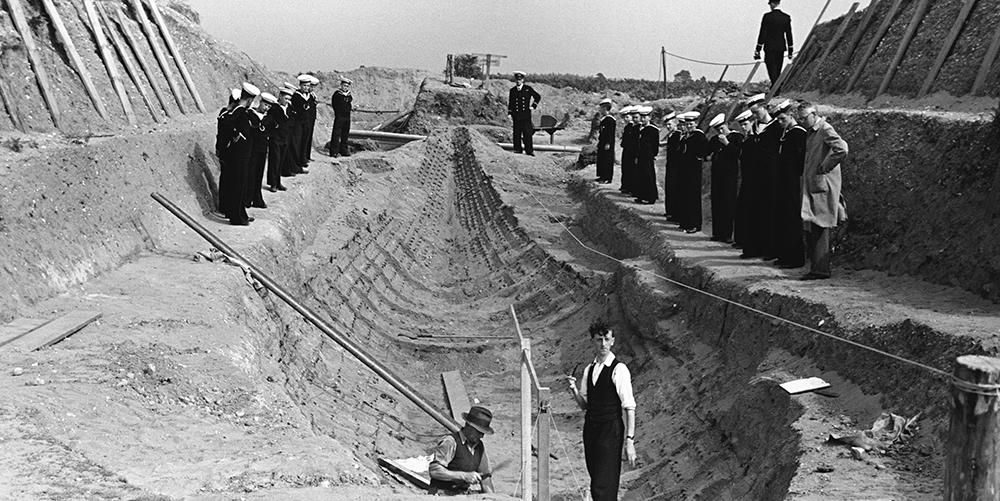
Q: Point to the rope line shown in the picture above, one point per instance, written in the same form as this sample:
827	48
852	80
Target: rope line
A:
678	56
932	370
982	389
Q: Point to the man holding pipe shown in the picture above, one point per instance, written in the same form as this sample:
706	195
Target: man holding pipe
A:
459	460
605	395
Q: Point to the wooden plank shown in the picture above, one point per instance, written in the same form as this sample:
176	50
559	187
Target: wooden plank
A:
776	86
18	328
133	44
56	330
804	385
130	68
984	69
904	44
413	477
172	47
12	109
42	76
109	62
859	68
140	15
949	42
829	47
458	398
74	57
862	28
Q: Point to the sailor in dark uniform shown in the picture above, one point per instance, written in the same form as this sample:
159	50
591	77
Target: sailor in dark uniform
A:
788	217
277	145
774	39
725	150
694	149
606	144
289	161
237	158
223	134
342	104
646	192
302	107
308	124
630	144
261	126
520	102
745	200
671	150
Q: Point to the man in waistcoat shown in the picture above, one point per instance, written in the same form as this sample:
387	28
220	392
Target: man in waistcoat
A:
459	460
520	102
605	395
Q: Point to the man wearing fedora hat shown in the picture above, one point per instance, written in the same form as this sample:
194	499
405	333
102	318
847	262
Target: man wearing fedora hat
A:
459	460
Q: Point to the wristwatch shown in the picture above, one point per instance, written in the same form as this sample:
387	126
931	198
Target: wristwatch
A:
630	437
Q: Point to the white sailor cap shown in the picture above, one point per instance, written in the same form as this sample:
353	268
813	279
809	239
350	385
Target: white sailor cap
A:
607	101
518	73
286	91
717	120
234	94
670	116
269	98
689	116
249	90
756	99
743	117
645	110
313	80
304	78
636	108
625	110
784	107
346	80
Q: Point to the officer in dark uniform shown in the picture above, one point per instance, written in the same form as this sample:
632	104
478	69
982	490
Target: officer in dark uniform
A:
645	191
789	236
630	144
237	158
520	102
277	145
694	149
261	126
725	150
774	39
459	460
606	144
341	102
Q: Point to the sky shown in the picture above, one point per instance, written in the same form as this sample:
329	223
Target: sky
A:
583	37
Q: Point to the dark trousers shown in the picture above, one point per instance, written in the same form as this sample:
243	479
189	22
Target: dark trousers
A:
606	164
523	130
774	60
275	160
671	191
723	201
602	449
628	171
338	138
305	155
255	177
644	187
788	222
294	153
818	248
690	216
233	185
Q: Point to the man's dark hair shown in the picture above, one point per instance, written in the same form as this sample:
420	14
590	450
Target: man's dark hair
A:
598	328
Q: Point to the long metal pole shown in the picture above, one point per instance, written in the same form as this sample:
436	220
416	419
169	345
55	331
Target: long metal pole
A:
314	319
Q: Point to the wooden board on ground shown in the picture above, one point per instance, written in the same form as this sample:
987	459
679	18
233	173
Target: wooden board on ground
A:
19	327
804	385
56	330
458	398
415	478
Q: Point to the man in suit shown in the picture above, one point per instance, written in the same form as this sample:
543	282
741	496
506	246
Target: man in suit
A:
823	206
520	102
342	104
606	144
774	39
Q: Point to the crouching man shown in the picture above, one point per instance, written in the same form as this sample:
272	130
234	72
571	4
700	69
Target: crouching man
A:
459	460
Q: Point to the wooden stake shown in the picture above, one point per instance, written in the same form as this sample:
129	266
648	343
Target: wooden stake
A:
886	24
12	109
525	420
130	68
143	63
973	444
829	47
949	42
109	62
862	28
17	16
776	86
544	396
140	14
74	57
984	69
663	63
911	30
172	47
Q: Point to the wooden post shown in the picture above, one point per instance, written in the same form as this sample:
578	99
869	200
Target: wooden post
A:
856	39
973	446
109	62
829	47
140	14
984	69
859	68
74	57
776	86
12	109
911	30
21	24
949	42
449	70
172	47
525	421
663	63
130	68
544	398
143	63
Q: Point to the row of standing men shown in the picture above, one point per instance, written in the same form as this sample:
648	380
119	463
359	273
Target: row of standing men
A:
762	201
256	129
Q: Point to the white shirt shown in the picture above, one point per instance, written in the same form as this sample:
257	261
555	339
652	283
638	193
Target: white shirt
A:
620	377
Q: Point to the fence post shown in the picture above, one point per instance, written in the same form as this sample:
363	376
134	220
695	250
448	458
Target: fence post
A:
526	385
971	472
544	397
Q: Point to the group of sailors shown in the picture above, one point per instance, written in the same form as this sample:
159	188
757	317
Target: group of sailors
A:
256	129
756	194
